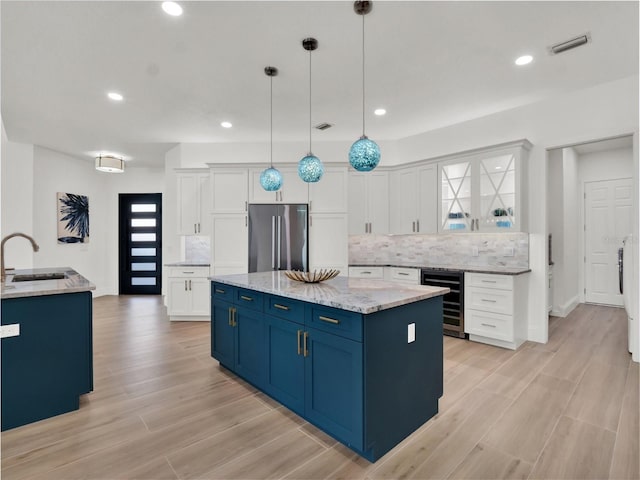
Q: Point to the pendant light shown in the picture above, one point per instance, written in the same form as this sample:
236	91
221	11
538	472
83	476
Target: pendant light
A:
310	168
364	154
271	178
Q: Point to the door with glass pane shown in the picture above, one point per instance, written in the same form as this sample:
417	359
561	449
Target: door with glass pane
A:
140	243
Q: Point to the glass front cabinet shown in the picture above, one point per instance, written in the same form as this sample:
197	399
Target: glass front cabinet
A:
482	191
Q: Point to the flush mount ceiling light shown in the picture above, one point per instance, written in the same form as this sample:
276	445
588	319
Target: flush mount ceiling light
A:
109	164
380	111
524	60
310	168
226	124
364	154
115	96
172	8
271	178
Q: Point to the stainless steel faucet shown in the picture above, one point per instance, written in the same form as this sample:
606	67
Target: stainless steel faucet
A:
36	247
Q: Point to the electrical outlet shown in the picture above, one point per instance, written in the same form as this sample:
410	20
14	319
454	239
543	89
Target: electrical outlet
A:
474	251
411	332
12	330
508	252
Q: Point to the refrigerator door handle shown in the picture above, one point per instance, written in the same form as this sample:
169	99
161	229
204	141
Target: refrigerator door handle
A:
273	242
620	270
279	239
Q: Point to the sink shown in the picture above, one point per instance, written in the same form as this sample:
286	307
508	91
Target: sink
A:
32	277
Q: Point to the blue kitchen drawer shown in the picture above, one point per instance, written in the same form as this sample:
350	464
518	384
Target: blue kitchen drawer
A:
339	322
249	299
284	308
223	292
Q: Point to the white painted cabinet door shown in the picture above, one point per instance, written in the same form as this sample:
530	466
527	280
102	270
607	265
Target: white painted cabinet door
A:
329	195
229	190
200	296
194	204
427	177
358	199
179	298
404	201
378	202
328	241
229	244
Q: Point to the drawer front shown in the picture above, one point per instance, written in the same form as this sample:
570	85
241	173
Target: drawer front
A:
504	282
338	322
189	272
492	325
489	300
366	272
284	308
405	275
249	299
221	291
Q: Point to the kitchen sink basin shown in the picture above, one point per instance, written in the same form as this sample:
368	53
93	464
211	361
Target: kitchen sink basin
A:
32	277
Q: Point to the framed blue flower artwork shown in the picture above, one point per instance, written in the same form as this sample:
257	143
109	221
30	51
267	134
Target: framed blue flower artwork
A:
73	218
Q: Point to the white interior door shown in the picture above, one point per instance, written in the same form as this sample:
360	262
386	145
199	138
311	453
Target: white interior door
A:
608	219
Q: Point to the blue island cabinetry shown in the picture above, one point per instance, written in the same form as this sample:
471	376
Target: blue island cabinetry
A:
356	376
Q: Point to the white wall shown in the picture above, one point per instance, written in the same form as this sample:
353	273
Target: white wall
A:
606	110
16	160
38	177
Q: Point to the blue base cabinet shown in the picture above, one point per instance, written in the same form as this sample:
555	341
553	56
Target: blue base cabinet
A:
357	377
49	365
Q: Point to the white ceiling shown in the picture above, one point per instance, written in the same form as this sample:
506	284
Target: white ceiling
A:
430	64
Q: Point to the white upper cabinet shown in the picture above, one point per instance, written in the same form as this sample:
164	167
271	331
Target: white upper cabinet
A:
229	190
483	192
193	202
414	200
293	189
368	202
329	195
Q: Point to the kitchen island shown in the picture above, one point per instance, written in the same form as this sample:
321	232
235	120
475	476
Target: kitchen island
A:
47	353
360	359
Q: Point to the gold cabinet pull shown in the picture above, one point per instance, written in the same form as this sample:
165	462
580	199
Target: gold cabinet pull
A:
281	307
299	347
230	319
329	320
233	317
305	337
219	290
248	299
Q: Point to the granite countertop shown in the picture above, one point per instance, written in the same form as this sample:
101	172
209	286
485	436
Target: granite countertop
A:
458	268
73	282
186	264
361	295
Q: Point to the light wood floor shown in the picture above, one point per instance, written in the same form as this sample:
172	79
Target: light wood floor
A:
164	409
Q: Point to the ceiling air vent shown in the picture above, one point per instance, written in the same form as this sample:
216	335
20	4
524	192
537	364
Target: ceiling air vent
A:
323	126
569	44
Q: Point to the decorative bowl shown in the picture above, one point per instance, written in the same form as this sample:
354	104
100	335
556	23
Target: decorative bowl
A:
312	277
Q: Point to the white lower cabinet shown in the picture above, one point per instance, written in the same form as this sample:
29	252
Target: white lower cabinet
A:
188	294
406	275
495	309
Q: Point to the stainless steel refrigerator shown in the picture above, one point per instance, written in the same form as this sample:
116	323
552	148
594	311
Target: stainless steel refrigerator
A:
278	237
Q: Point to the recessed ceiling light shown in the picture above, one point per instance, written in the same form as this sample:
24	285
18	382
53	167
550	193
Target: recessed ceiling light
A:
115	96
226	124
379	111
524	60
172	8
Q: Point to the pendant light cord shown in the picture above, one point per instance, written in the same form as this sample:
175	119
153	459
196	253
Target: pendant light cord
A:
310	102
363	75
271	121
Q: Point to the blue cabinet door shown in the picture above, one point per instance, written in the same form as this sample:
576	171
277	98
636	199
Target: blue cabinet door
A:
249	347
284	379
334	386
222	333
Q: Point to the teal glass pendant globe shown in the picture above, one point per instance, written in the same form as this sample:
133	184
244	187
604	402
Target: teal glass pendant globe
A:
310	168
271	179
364	155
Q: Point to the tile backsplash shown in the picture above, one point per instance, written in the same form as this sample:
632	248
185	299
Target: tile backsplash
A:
471	249
196	249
